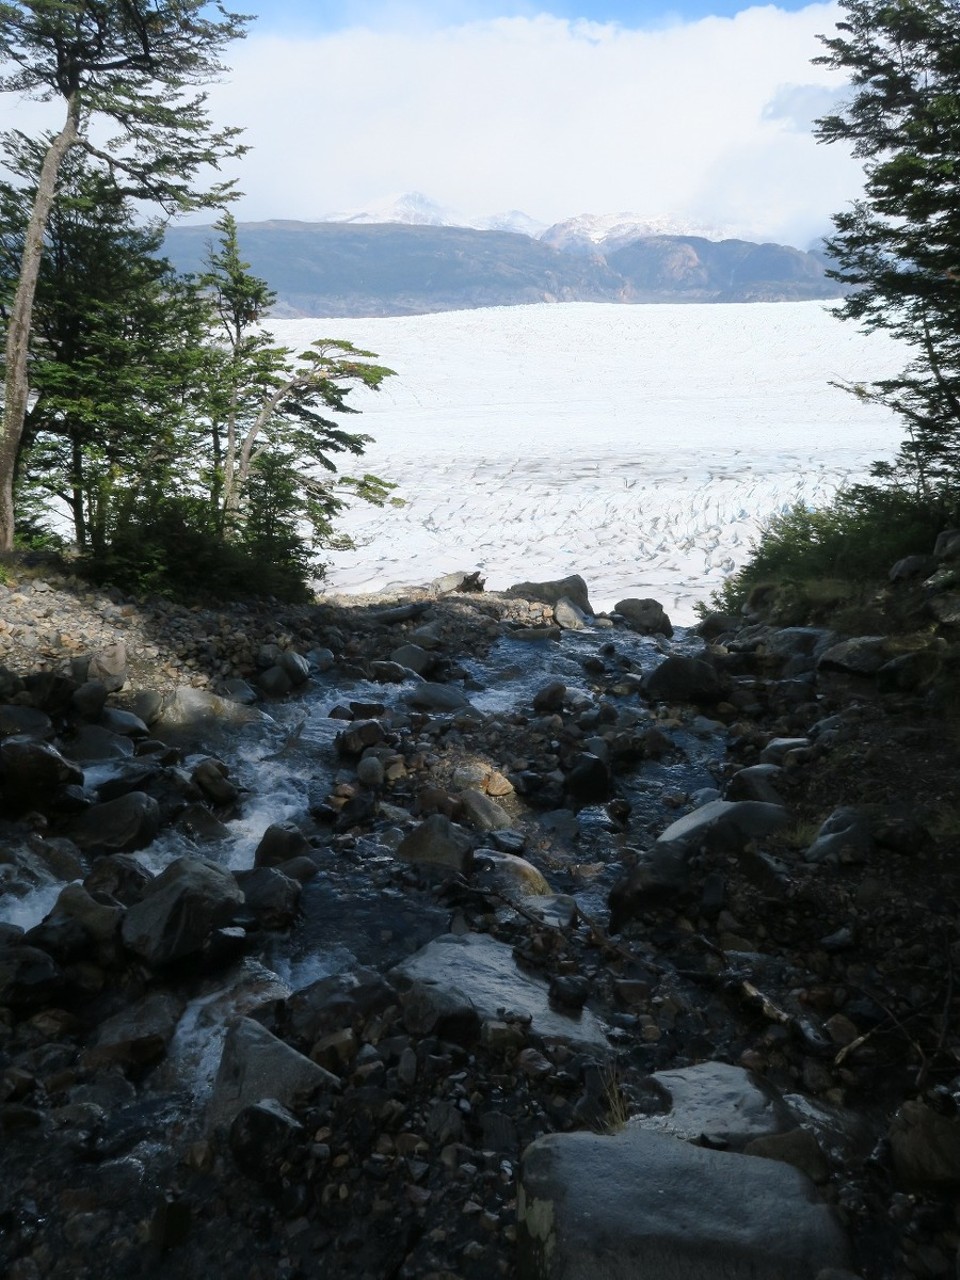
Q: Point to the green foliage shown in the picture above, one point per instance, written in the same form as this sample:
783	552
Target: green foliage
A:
854	540
170	545
899	244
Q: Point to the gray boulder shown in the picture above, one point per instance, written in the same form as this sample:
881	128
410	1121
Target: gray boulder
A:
568	616
645	616
471	977
722	825
138	1034
33	770
436	697
717	1101
195	711
439	843
846	836
642	1204
180	910
279	843
482	812
861	656
414	658
682	679
118	826
756	782
947	545
255	1065
553	591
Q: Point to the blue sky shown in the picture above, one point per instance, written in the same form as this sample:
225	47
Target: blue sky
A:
293	16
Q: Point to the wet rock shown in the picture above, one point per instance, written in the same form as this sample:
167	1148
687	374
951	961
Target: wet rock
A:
32	771
211	776
552	591
196	712
118	826
846	836
550	698
279	843
389	672
29	977
139	1034
472	978
679	1211
371	773
482	812
568	616
89	700
180	911
24	721
682	679
436	697
262	1139
438	842
199	824
588	781
126	776
236	690
275	682
340	1002
925	1146
361	735
321	659
274	898
119	877
93	743
296	666
100	921
718	1102
508	874
256	1065
647	617
124	723
413	657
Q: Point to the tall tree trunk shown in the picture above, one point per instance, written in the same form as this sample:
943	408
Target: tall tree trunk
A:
17	389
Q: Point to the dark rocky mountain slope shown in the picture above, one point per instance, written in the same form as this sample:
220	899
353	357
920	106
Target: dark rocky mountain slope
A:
341	269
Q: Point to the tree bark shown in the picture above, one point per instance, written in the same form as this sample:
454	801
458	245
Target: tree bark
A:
17	387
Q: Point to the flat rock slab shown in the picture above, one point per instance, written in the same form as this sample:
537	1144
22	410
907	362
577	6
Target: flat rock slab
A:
595	1207
475	972
717	1101
257	1065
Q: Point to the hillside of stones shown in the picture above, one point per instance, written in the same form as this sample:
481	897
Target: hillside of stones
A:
466	934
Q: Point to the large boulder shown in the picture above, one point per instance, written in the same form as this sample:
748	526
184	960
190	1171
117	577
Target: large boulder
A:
429	696
123	825
553	591
460	979
254	1065
721	825
682	679
138	1034
180	911
645	616
643	1204
189	712
440	843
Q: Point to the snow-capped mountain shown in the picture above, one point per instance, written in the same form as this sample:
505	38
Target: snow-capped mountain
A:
589	231
610	231
415	209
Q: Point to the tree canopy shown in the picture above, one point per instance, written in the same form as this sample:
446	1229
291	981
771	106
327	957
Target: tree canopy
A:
898	244
135	65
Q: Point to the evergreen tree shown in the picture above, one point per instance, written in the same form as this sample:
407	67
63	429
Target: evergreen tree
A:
273	439
116	352
899	244
133	63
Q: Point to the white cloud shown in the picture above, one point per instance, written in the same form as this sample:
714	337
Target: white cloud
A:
545	115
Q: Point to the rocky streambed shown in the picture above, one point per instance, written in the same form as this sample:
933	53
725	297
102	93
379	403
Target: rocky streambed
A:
464	935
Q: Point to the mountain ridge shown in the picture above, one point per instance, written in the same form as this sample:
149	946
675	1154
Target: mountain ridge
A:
380	269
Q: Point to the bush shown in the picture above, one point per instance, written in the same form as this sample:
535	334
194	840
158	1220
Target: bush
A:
172	546
855	539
